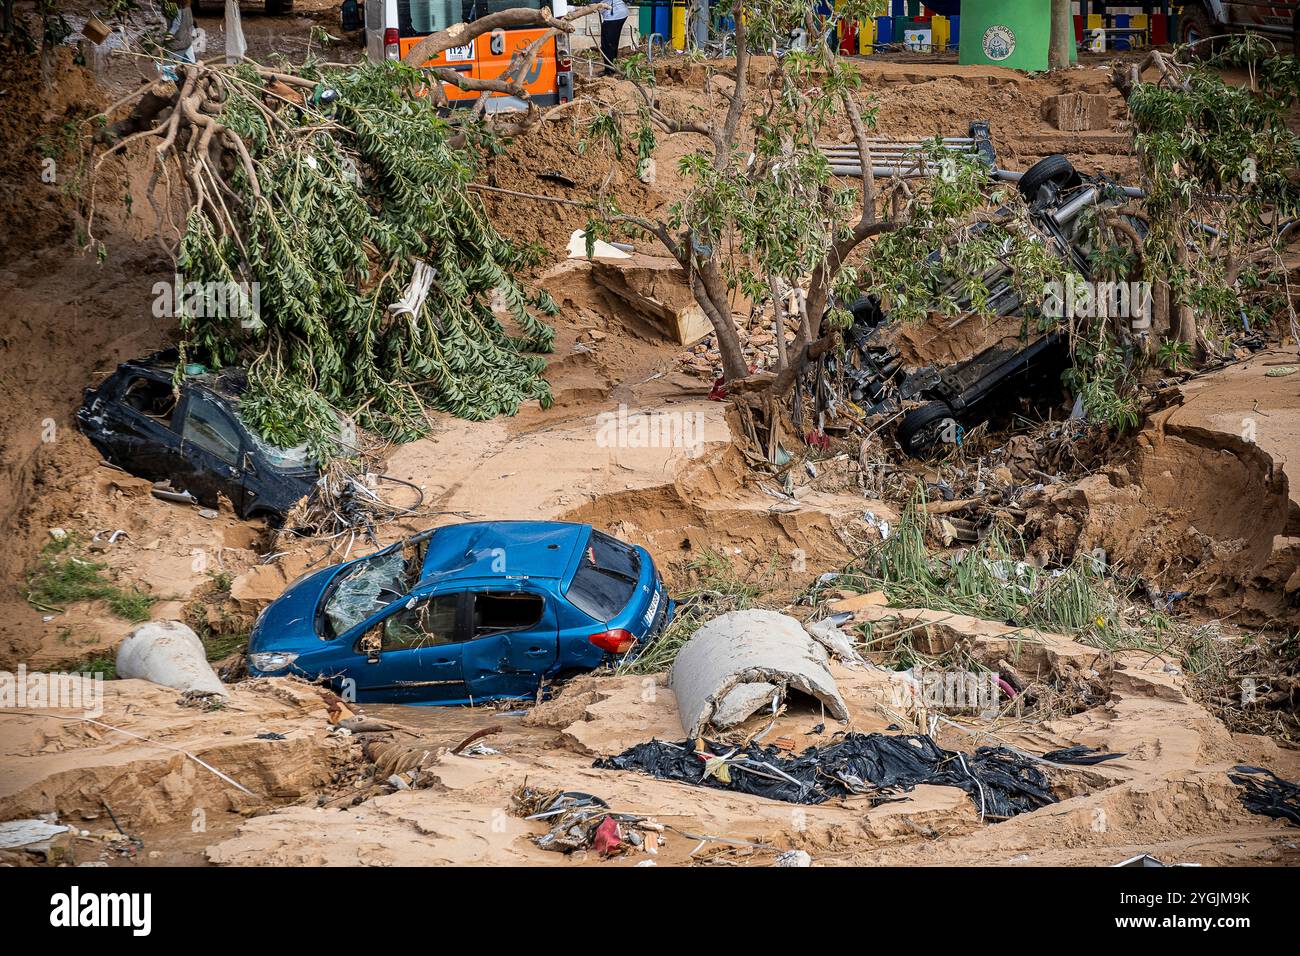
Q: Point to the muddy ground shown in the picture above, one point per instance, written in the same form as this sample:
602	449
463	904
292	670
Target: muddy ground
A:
1188	504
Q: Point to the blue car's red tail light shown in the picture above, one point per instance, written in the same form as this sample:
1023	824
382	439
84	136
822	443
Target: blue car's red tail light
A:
617	641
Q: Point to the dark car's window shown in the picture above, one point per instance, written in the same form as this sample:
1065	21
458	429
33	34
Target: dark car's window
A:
209	428
150	397
606	577
297	458
498	611
427	624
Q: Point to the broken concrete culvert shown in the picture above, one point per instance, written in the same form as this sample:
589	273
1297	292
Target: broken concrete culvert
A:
168	653
742	661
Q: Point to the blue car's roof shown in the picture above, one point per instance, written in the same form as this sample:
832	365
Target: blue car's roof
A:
502	549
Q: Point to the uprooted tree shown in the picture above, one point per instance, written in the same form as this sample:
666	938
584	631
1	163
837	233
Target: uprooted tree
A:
764	214
342	193
328	240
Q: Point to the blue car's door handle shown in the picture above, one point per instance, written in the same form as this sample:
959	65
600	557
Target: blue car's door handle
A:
537	652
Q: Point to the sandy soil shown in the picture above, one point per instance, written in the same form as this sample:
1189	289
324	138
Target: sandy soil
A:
1207	501
1195	505
1168	795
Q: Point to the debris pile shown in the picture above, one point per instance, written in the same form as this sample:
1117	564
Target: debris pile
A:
581	821
1001	782
757	340
1265	793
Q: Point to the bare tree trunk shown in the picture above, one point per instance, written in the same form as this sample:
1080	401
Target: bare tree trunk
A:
1186	325
235	45
711	293
778	325
1159	315
459	34
1062	42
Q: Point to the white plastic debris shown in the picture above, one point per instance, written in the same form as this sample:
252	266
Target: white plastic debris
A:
880	524
170	654
416	291
16	833
827	633
794	858
600	250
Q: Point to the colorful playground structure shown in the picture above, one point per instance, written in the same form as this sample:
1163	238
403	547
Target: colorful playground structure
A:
1010	33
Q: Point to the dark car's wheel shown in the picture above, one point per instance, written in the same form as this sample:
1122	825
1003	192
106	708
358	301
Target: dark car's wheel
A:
1051	169
272	518
1194	24
923	429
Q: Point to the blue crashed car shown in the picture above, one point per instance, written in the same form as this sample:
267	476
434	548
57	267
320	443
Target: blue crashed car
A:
465	613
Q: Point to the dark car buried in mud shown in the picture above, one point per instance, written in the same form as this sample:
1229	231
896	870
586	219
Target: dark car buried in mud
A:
194	440
465	613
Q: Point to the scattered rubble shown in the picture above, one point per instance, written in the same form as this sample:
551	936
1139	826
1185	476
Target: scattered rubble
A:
1095	748
1001	782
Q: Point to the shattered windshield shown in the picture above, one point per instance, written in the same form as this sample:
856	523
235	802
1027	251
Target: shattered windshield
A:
371	585
299	457
295	458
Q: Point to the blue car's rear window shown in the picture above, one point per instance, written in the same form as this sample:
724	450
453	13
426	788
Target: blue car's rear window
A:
606	577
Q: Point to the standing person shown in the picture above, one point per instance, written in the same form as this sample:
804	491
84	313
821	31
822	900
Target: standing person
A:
179	44
611	28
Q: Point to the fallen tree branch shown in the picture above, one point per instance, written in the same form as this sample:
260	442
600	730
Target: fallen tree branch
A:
460	34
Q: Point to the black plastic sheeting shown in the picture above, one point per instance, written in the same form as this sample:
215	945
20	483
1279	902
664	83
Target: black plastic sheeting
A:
1266	793
1001	783
1080	756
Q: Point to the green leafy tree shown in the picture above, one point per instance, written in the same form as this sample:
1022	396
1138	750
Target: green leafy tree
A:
1221	169
766	215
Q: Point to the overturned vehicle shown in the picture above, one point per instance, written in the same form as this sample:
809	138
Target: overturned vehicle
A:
935	404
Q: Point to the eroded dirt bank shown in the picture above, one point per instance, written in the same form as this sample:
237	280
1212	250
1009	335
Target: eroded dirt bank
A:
1206	501
1202	503
1168	795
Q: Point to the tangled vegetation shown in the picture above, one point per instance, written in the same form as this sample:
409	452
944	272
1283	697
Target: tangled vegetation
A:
962	228
991	581
763	210
330	208
1220	169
